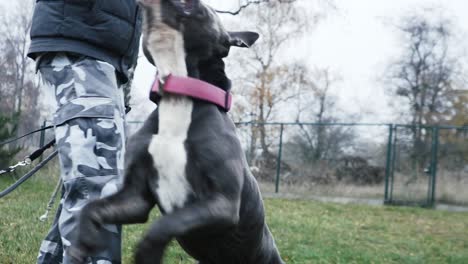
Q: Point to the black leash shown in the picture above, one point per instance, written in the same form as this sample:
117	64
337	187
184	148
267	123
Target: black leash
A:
25	135
27	175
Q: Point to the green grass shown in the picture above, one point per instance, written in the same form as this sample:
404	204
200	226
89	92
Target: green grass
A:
305	231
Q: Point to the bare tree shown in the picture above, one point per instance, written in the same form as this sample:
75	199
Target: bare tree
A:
425	74
263	78
17	86
325	103
243	4
316	103
424	79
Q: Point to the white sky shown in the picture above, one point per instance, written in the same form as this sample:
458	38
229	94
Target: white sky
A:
356	41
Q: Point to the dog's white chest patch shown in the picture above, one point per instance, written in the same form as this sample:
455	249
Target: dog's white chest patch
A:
169	155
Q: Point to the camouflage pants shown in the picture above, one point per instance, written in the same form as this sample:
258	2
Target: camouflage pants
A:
89	131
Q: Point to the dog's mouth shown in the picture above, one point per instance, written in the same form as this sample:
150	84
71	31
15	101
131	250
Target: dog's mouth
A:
186	7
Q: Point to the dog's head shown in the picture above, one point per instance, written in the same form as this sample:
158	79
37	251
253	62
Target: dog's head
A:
206	41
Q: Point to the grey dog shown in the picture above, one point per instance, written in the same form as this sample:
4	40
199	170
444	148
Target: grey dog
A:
187	158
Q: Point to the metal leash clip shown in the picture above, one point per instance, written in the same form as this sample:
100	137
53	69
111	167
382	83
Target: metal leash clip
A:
26	162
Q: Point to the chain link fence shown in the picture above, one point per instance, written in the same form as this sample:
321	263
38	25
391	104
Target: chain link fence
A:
331	160
394	164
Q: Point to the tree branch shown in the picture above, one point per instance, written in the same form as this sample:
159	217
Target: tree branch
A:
249	3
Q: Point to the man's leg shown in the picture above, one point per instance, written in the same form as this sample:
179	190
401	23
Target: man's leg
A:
90	140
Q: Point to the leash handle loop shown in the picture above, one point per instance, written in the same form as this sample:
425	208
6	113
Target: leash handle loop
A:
39	152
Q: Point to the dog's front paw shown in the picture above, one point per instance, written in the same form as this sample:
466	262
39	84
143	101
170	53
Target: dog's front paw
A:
91	234
150	252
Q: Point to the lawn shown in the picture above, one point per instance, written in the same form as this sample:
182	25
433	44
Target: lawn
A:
305	231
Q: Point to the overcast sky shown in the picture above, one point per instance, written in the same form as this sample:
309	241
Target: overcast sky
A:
356	41
359	41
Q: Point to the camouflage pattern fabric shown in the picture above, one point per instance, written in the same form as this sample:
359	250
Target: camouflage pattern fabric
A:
89	131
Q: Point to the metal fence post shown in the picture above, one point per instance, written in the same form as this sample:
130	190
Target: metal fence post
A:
393	160
278	162
388	162
42	136
434	161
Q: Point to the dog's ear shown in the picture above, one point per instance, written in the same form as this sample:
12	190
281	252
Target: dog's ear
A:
243	39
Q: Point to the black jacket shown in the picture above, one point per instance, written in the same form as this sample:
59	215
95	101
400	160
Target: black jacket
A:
107	30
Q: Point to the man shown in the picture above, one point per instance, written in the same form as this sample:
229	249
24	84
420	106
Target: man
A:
84	50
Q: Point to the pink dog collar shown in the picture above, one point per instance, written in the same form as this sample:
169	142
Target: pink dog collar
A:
193	88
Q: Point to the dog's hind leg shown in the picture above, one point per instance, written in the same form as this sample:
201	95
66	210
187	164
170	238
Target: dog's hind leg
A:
219	212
